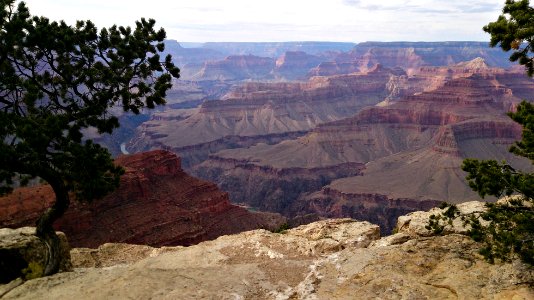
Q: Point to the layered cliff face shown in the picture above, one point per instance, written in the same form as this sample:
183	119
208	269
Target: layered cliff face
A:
410	55
295	65
332	259
329	68
276	49
237	67
412	151
157	204
263	112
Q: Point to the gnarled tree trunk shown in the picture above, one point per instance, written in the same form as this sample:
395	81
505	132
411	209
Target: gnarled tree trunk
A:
45	229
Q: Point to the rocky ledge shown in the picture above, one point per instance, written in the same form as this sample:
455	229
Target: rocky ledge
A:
330	259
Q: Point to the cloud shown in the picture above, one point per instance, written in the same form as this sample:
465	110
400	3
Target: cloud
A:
426	7
283	20
352	2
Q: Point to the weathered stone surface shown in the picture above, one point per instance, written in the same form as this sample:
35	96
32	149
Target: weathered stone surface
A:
337	234
411	55
22	254
295	64
156	204
237	67
111	254
263	265
415	223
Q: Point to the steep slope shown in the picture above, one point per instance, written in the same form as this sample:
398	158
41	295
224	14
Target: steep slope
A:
263	112
157	204
409	154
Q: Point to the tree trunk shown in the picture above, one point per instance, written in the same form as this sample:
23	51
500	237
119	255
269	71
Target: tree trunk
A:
45	229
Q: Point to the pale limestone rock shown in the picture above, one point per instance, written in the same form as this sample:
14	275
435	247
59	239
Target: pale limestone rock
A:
111	254
336	234
295	265
23	254
394	239
414	223
445	267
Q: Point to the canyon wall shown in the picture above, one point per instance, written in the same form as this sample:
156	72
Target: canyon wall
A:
409	153
156	204
264	110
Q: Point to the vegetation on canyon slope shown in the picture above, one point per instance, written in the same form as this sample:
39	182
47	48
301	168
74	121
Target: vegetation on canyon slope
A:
507	228
57	80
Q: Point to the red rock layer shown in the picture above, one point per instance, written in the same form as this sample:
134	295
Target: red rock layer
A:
156	204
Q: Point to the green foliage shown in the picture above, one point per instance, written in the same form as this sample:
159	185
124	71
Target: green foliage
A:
56	80
282	229
438	223
506	228
513	30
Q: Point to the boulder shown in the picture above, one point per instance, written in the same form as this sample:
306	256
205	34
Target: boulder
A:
22	254
337	234
415	223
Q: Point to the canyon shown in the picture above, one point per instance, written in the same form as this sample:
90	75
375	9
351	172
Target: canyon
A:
263	112
156	204
425	136
321	130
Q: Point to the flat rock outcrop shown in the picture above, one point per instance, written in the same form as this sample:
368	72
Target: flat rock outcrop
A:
156	204
333	259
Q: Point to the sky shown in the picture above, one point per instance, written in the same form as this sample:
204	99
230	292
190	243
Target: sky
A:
288	20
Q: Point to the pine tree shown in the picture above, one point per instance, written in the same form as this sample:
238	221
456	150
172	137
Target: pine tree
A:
57	80
508	230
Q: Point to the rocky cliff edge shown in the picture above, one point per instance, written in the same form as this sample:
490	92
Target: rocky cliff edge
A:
330	259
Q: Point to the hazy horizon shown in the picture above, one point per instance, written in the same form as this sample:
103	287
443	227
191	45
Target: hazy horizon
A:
351	21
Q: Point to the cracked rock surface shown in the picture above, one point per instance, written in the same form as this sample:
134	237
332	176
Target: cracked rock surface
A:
331	259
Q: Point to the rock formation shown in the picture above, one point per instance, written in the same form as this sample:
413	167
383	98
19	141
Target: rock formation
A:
263	112
409	152
276	49
237	67
333	259
410	55
156	204
295	65
23	255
